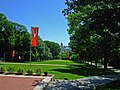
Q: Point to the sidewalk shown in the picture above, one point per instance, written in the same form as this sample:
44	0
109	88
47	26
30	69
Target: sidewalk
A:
34	64
21	82
109	67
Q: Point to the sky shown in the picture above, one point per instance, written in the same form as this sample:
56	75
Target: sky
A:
45	14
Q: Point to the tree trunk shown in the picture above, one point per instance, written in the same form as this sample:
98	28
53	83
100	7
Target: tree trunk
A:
105	59
96	63
91	62
105	63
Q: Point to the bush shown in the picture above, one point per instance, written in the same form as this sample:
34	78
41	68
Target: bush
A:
45	73
10	69
20	71
2	70
38	71
29	72
63	56
74	56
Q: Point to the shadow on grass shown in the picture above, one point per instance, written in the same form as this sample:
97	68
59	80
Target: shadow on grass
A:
84	70
1	64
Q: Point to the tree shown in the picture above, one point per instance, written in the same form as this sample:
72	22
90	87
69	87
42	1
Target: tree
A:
14	36
54	48
22	40
94	29
3	20
44	51
7	34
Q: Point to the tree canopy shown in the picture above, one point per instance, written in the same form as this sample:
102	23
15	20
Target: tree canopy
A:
54	48
94	29
14	36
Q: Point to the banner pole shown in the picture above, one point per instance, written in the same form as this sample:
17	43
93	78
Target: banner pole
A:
34	39
30	48
30	55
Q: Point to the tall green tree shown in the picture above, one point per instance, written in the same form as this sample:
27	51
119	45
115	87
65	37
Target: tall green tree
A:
3	34
22	40
54	48
14	36
94	28
6	32
44	51
7	37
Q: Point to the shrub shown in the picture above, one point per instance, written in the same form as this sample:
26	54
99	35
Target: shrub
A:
10	69
45	73
29	72
2	70
20	71
38	71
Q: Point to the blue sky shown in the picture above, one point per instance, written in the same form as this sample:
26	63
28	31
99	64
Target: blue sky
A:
46	14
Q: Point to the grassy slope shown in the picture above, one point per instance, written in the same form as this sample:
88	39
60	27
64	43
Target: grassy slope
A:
70	70
59	62
50	69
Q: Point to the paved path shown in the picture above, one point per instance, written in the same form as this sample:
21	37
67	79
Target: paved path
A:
82	84
109	67
21	82
33	64
12	82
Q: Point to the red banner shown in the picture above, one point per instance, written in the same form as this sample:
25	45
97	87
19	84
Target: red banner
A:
34	40
13	53
67	55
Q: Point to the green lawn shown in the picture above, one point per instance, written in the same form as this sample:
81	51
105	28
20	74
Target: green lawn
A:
59	62
70	70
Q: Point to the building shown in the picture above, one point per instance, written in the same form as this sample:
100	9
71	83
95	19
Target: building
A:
65	48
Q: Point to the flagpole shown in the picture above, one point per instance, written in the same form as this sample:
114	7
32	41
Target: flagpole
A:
30	48
34	32
30	54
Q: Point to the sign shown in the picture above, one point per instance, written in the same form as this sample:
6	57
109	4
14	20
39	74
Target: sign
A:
34	41
13	53
67	55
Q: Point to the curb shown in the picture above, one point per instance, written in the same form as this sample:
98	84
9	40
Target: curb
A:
44	83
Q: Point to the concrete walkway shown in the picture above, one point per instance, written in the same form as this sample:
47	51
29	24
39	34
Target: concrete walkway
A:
33	64
44	83
109	67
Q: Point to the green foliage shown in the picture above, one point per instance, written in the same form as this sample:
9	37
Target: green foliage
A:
14	36
94	29
29	71
54	48
10	69
38	71
44	51
45	73
74	56
20	71
63	55
2	69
